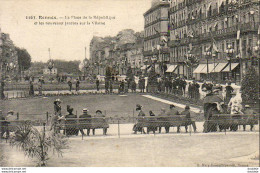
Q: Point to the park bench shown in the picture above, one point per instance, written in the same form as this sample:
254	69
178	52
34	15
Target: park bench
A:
154	122
225	121
74	124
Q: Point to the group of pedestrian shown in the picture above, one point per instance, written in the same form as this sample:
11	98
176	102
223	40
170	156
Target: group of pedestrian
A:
194	90
171	112
77	83
172	85
141	84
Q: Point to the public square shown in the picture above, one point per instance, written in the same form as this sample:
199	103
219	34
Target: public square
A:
134	83
123	148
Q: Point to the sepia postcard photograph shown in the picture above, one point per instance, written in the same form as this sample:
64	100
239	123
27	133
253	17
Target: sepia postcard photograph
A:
129	83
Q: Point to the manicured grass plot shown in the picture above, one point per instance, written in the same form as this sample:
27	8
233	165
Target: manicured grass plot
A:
111	105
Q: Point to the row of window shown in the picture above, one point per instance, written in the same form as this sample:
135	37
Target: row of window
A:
149	45
156	14
201	27
246	48
152	30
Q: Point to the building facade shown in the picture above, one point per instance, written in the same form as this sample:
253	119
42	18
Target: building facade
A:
117	53
47	71
219	34
156	33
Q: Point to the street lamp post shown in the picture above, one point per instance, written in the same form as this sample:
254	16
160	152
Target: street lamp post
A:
257	50
189	56
230	52
208	55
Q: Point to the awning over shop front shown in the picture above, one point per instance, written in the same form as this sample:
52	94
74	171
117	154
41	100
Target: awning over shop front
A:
171	68
219	67
210	68
233	66
199	68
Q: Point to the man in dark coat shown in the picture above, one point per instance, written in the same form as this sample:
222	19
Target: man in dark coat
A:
174	86
31	91
77	84
70	85
106	85
111	86
57	107
100	121
2	89
184	83
143	84
140	114
97	84
172	112
133	86
229	90
85	123
70	125
186	112
251	117
196	90
166	84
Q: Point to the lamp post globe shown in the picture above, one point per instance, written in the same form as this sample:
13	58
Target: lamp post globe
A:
230	52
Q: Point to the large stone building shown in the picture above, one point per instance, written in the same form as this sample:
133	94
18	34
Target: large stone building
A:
156	27
9	68
121	52
206	30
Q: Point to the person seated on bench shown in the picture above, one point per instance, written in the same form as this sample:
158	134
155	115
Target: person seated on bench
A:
140	114
186	112
10	116
86	123
101	122
153	127
172	112
70	125
161	114
250	112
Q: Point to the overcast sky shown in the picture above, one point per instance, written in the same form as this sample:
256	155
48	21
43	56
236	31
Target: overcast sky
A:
67	42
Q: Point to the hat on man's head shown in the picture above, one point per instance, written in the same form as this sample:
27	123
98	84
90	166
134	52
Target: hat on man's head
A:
57	100
99	111
187	107
138	106
85	110
247	106
10	112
